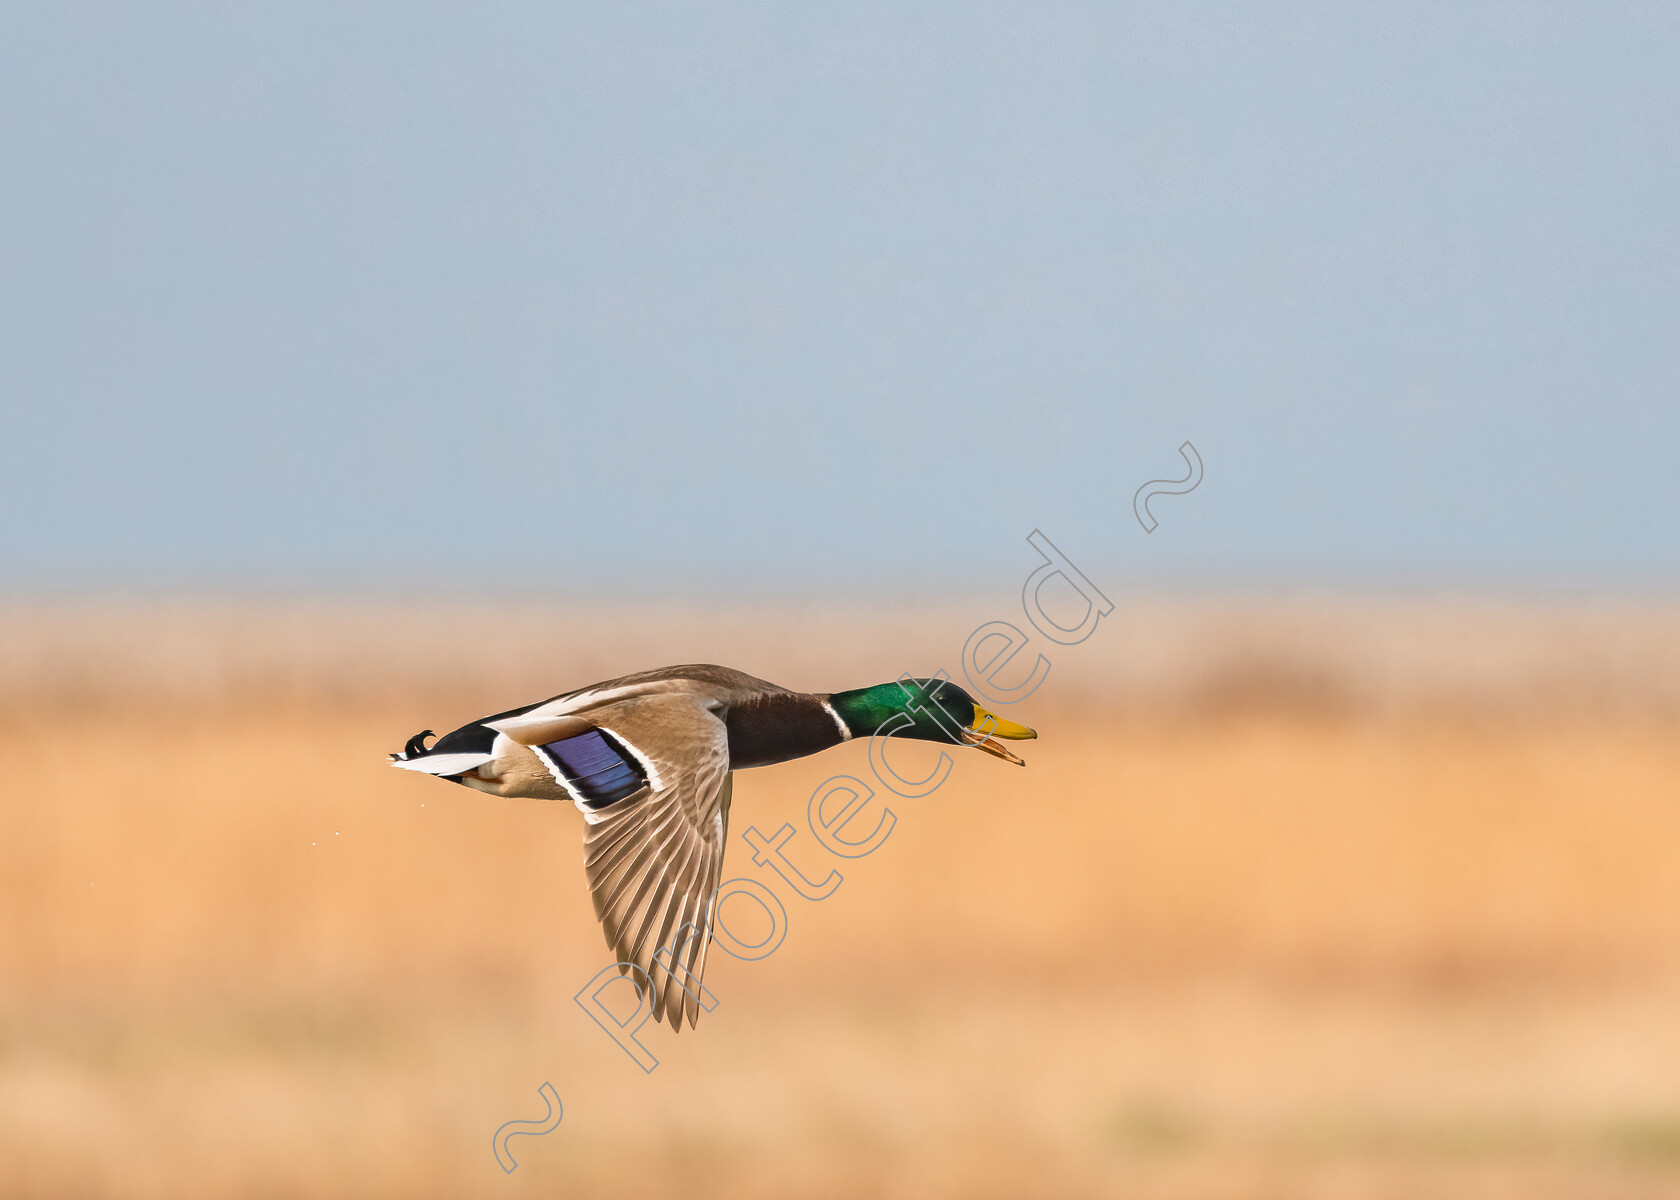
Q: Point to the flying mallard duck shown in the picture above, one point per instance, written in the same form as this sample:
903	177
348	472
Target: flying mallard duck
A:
649	760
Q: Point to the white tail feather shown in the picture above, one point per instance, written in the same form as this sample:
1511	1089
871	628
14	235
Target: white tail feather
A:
442	764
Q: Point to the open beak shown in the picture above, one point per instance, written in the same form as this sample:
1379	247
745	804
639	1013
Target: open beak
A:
988	727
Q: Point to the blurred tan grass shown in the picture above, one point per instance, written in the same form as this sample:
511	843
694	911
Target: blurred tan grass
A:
1407	928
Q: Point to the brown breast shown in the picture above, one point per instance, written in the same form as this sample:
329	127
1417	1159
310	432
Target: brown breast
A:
777	726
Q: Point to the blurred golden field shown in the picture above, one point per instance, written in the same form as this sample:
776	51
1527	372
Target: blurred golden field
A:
1316	898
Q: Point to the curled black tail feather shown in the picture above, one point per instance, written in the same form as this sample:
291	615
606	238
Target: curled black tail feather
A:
416	745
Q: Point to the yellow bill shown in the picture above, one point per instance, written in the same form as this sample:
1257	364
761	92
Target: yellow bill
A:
987	727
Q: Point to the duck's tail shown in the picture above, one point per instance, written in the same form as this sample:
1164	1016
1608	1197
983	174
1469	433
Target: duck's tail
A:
416	746
416	757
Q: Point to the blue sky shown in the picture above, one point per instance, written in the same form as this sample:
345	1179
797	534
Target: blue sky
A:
624	297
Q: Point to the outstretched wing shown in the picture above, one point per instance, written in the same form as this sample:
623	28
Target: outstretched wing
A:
651	773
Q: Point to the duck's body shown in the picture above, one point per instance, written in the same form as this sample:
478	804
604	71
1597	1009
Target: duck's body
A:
648	759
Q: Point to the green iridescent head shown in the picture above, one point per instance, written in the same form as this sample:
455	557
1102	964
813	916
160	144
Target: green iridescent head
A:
930	710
